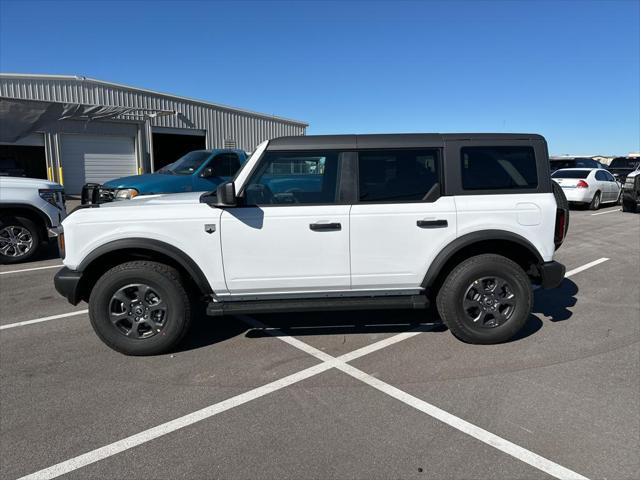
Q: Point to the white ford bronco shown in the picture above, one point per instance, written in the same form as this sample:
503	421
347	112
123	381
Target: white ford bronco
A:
465	222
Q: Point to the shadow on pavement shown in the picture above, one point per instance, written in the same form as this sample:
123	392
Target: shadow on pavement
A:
555	303
207	331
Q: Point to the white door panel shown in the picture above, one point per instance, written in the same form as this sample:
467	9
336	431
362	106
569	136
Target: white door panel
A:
274	249
390	250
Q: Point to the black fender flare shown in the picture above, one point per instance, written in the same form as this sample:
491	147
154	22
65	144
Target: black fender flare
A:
469	239
8	207
184	260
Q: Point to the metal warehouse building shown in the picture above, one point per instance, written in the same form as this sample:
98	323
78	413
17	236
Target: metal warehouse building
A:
76	130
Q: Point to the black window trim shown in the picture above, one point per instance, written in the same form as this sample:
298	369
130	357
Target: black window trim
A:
453	166
430	197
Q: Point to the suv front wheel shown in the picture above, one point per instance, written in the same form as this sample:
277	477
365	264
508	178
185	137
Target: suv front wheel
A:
140	308
486	299
19	239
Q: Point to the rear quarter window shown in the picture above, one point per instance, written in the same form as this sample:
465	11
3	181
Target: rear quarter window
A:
498	168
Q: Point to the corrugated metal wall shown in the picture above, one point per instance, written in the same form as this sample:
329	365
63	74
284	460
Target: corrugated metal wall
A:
248	129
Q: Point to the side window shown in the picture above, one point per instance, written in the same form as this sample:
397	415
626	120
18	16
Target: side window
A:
294	178
610	177
498	168
225	165
601	176
397	175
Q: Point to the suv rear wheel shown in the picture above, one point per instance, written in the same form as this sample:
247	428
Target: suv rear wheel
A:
486	299
19	239
140	308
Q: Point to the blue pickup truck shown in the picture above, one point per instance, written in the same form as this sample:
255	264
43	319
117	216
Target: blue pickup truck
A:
197	171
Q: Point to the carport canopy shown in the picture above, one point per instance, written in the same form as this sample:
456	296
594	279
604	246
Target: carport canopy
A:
19	118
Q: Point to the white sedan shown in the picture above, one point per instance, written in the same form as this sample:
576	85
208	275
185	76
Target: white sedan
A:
591	186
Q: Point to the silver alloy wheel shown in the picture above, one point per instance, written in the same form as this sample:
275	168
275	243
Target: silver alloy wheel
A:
596	201
137	311
489	302
15	241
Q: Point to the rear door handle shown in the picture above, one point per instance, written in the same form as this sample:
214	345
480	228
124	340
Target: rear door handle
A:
432	223
323	227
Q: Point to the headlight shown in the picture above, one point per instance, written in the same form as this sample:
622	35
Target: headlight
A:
54	197
126	193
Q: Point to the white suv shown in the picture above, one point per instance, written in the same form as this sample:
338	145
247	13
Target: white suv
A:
31	212
468	221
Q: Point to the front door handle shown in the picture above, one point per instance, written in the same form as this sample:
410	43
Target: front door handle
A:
323	227
432	223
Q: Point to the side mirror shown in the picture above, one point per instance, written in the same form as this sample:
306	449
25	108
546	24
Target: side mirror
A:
226	195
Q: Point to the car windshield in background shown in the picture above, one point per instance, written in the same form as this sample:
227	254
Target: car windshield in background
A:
571	174
187	164
625	163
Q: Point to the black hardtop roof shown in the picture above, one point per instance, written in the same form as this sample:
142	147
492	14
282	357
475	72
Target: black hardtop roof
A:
387	140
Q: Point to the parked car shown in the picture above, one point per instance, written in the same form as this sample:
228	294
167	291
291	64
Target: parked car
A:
588	186
631	192
620	167
31	212
578	162
379	226
197	171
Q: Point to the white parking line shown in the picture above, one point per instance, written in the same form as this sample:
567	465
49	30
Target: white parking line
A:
43	319
327	362
31	269
603	213
114	448
585	267
491	439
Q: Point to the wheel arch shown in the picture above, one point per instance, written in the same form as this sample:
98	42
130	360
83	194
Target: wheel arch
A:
30	212
127	249
508	244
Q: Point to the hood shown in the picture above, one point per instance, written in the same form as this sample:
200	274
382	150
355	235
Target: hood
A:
22	182
152	183
192	198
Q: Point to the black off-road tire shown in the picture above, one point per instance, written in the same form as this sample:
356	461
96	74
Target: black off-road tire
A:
595	202
166	281
452	293
629	206
34	231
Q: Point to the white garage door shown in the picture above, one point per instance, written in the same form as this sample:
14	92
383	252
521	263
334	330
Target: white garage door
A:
96	159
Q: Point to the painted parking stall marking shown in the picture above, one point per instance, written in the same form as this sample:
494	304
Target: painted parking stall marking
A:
510	448
43	319
604	213
210	411
586	267
327	362
31	269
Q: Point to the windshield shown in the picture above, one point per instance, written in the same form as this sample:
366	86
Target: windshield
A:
571	174
625	163
187	164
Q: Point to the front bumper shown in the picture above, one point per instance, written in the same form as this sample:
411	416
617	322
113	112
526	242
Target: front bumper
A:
551	274
67	284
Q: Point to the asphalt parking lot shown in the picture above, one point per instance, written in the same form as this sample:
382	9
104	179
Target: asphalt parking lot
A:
335	395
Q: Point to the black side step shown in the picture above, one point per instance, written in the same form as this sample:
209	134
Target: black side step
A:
318	304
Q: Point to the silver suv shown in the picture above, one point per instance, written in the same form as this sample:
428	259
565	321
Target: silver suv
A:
31	212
